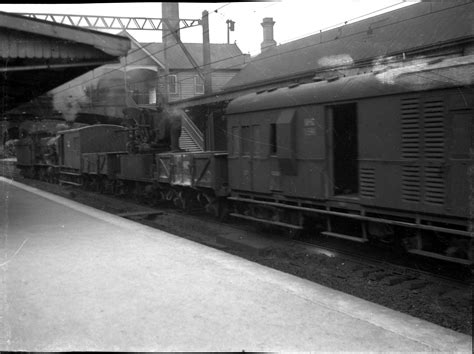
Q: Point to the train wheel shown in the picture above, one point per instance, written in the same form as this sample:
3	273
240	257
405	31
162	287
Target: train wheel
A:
41	175
30	172
182	200
107	186
294	233
224	210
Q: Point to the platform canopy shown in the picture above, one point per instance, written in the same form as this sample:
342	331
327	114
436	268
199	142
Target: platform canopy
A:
37	56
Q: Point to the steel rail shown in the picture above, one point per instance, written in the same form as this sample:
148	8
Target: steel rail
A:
357	217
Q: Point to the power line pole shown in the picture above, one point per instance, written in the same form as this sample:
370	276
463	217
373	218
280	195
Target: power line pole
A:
230	27
206	53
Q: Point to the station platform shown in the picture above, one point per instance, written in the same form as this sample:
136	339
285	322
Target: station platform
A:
75	278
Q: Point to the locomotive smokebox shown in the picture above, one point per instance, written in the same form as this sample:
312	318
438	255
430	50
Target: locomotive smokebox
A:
169	129
153	130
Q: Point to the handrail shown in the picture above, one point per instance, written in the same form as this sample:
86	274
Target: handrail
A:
193	130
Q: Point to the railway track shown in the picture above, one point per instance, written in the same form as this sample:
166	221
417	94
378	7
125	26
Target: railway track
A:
392	271
407	266
373	265
408	288
400	264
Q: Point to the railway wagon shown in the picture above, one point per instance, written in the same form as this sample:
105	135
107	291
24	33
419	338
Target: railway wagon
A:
384	156
187	178
37	148
81	151
37	156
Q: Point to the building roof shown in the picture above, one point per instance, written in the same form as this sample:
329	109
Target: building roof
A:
410	77
223	56
38	55
413	28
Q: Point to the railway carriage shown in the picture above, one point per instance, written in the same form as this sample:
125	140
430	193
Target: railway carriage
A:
374	156
385	156
88	153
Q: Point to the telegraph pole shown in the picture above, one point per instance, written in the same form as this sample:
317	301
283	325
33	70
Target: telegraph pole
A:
170	14
206	52
230	27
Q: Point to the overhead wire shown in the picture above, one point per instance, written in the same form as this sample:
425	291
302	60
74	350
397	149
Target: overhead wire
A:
343	23
312	45
138	59
156	78
235	65
217	10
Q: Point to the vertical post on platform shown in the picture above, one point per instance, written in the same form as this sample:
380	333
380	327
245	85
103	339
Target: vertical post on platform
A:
206	53
170	23
165	77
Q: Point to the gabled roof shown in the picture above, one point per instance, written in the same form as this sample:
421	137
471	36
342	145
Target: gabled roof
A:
223	56
139	46
413	28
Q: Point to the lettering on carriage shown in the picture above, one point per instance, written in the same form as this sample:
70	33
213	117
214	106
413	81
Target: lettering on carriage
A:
309	126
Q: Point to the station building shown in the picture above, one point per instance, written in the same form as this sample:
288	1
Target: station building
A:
417	34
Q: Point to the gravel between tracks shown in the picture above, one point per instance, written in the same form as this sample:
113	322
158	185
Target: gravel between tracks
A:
447	305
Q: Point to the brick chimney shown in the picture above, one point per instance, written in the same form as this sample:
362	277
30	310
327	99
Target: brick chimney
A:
170	11
268	40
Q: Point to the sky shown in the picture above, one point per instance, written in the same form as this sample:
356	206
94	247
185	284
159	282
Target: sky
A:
293	18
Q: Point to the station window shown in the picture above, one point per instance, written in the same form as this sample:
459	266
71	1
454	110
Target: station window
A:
273	139
172	84
152	95
246	140
198	85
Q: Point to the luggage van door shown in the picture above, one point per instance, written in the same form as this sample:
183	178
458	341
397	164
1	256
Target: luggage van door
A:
343	154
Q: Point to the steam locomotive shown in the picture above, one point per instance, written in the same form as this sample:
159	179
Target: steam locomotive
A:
385	156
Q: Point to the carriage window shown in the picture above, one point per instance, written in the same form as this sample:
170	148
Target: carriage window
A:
246	140
257	138
75	143
273	139
235	138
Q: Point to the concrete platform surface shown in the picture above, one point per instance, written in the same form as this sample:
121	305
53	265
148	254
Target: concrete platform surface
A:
76	278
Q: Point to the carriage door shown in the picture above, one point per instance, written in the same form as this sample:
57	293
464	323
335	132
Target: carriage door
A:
343	151
460	161
246	138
